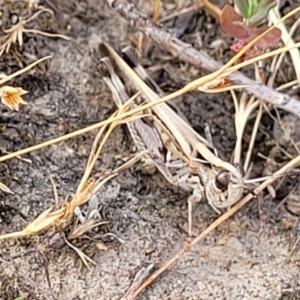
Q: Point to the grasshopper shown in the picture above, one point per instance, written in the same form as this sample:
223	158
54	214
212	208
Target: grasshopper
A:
173	145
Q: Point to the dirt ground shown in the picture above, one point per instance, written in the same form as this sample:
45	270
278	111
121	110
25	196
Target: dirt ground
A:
245	258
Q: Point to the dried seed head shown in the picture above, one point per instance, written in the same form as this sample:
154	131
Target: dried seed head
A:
11	97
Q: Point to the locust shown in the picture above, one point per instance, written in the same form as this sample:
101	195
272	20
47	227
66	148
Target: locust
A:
182	156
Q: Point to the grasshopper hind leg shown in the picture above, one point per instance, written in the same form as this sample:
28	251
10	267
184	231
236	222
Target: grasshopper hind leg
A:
194	198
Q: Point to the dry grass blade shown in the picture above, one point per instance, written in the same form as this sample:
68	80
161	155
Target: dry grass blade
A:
44	220
156	10
87	187
61	217
90	187
96	152
244	107
53	35
123	118
218	87
10	77
94	156
260	58
274	15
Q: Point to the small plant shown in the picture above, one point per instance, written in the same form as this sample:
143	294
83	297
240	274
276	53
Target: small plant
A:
244	24
15	33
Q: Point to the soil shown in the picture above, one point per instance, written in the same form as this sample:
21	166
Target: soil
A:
244	258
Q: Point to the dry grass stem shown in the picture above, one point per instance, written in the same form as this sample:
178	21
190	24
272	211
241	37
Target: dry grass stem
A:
82	256
129	114
244	109
125	117
253	135
10	77
156	10
210	8
166	41
87	187
286	37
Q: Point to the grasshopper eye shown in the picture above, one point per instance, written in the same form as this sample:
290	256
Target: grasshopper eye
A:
222	180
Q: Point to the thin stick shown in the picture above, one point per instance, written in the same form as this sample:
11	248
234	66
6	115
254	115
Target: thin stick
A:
9	77
156	10
210	8
253	136
293	163
257	120
65	137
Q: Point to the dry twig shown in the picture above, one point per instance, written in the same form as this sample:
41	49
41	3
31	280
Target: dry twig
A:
295	162
166	41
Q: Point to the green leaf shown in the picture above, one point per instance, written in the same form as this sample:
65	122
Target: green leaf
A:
254	9
243	7
251	10
262	12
